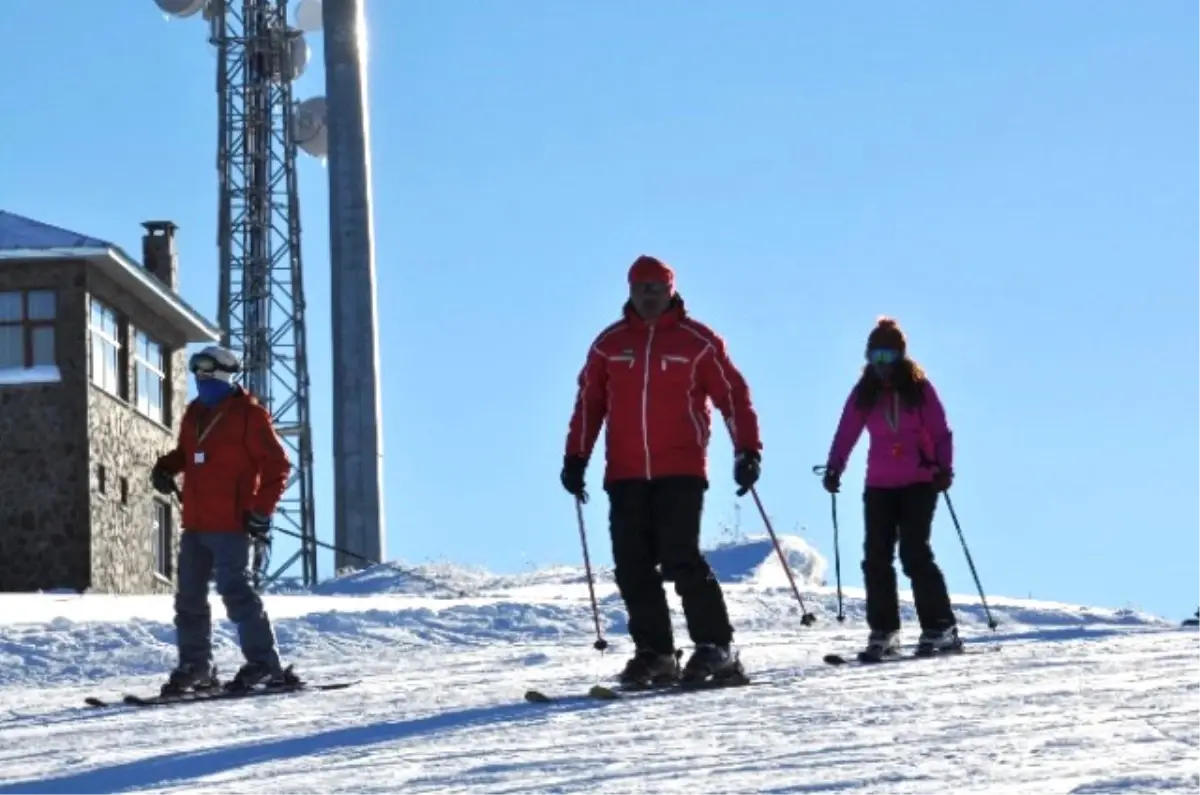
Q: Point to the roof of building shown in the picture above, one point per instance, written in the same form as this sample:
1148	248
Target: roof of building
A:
18	232
23	238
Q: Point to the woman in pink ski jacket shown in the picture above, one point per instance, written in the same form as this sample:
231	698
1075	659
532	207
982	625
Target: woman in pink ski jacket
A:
909	463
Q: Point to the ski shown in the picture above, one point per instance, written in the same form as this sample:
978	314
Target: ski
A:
604	693
615	693
596	692
862	660
135	700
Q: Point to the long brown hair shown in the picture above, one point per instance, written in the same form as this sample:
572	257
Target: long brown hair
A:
908	380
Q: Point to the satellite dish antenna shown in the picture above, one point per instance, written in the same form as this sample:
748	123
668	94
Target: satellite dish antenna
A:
181	8
294	56
309	128
308	15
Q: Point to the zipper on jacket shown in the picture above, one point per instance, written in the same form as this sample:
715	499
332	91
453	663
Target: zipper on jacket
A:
892	413
646	401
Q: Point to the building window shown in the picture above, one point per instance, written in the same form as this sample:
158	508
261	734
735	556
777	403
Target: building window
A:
101	479
149	377
27	332
161	537
105	361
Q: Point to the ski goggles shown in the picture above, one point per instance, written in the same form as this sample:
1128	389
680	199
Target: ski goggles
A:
203	364
879	356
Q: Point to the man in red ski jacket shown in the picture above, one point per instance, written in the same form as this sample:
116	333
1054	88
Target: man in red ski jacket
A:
651	375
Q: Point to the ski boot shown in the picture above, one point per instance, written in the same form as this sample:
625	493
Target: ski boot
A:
711	664
649	669
881	646
253	674
187	679
939	641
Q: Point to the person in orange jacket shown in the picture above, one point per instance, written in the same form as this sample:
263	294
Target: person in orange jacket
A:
235	471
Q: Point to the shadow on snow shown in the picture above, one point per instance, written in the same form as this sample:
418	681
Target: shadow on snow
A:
172	768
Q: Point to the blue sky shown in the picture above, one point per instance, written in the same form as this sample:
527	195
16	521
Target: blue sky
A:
1016	182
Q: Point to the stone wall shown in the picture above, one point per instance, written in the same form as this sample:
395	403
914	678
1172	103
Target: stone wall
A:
76	505
126	444
44	518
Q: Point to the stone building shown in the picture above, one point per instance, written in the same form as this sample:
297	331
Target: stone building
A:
93	381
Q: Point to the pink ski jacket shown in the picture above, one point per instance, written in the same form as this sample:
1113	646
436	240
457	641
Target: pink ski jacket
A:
906	445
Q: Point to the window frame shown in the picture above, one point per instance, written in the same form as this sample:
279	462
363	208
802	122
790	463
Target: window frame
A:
28	325
119	388
143	365
162	540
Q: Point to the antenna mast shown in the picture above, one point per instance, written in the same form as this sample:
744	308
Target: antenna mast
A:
261	294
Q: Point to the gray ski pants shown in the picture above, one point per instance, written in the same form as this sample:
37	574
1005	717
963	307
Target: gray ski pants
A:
224	557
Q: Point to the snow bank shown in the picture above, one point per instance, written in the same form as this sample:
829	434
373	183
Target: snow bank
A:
397	578
394	609
749	560
754	560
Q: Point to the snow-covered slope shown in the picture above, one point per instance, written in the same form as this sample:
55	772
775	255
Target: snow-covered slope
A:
1061	699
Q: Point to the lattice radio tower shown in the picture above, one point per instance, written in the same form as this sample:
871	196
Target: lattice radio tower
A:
261	296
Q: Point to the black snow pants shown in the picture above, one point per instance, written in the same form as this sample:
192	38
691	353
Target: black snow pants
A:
655	531
905	515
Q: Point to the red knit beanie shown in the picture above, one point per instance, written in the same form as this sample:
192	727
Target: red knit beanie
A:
652	269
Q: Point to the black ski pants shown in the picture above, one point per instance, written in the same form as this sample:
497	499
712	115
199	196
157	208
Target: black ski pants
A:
903	515
655	530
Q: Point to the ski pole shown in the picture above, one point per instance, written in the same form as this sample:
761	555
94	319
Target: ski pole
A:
837	554
601	644
806	618
979	586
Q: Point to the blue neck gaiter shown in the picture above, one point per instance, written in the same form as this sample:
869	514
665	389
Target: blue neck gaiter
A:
212	391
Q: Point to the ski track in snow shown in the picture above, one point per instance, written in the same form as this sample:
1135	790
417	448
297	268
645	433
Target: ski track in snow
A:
1061	699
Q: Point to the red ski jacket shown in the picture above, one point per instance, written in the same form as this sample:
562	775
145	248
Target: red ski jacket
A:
232	462
652	383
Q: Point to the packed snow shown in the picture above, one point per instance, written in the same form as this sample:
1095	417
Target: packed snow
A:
1060	698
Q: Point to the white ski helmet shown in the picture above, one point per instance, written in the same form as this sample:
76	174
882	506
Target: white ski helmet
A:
215	362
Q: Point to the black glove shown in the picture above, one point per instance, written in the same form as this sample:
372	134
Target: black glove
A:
572	476
942	479
163	481
746	469
832	481
257	526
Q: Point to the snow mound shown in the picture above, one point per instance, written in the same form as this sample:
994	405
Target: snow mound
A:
753	560
442	580
434	580
750	560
